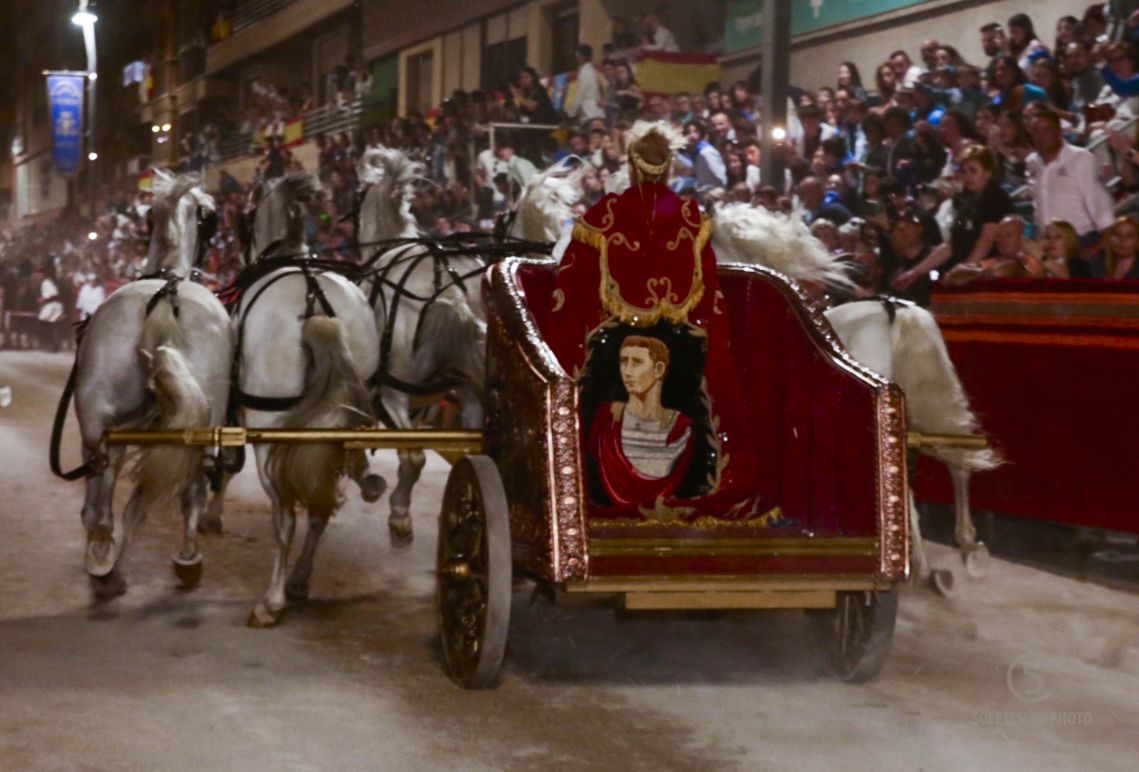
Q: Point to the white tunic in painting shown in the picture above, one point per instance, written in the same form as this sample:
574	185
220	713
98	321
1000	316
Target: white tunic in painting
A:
645	443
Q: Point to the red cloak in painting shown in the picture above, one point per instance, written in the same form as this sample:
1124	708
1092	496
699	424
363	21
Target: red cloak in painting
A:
638	259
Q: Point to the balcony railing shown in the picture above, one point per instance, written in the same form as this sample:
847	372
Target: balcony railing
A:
326	119
252	11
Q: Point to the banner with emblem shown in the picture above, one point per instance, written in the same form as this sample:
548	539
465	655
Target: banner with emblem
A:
65	99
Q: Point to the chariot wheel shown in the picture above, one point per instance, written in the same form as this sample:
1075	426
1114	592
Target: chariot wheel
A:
474	572
855	635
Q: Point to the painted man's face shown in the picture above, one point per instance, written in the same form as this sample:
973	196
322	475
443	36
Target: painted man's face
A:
638	370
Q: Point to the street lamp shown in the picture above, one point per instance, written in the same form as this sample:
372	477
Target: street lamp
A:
85	18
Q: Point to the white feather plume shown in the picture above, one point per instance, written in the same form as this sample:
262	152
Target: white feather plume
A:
742	233
546	202
618	181
642	129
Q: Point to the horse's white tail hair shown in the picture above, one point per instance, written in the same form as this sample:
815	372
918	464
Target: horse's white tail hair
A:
334	397
452	342
751	234
180	402
935	400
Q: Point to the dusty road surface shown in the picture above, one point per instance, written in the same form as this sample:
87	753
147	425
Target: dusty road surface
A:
1023	671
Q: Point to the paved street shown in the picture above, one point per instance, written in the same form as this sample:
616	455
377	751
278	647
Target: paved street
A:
1025	670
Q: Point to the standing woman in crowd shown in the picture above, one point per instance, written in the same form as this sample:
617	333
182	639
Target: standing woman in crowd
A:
1044	74
1121	259
1022	40
850	79
887	83
957	133
1068	30
741	103
626	93
1012	145
531	98
982	205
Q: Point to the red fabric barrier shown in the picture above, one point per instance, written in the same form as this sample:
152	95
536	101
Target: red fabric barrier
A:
1052	370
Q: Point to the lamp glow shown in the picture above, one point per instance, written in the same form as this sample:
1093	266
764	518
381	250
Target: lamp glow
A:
92	235
779	134
92	156
84	17
166	127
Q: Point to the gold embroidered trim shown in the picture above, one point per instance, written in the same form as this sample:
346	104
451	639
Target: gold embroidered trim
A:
765	520
608	220
701	221
668	307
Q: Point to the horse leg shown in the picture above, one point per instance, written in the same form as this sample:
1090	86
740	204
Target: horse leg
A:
473	411
941	579
98	511
372	486
268	611
410	465
298	585
210	520
188	562
974	554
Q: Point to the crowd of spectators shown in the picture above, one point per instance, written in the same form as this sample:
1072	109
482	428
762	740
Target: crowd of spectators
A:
1025	164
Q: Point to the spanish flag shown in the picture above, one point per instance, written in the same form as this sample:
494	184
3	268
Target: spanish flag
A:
670	73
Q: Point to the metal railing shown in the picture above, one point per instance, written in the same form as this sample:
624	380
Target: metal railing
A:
333	118
326	119
250	12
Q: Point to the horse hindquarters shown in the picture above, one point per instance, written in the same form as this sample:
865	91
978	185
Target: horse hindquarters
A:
334	397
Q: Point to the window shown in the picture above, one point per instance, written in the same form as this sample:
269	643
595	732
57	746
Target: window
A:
420	96
566	25
501	63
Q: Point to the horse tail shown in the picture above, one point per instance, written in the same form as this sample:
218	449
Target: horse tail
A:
180	402
334	397
936	402
451	341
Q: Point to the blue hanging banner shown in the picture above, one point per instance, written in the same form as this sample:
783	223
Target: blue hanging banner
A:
65	98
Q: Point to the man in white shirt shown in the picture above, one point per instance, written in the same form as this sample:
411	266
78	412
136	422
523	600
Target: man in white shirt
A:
51	309
1065	181
905	71
91	296
662	39
586	102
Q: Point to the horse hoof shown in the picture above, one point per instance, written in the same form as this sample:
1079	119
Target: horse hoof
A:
99	559
189	572
108	586
976	559
261	617
296	590
401	532
210	527
372	487
941	580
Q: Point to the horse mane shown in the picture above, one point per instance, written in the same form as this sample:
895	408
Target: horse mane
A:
166	188
302	185
393	174
547	202
749	234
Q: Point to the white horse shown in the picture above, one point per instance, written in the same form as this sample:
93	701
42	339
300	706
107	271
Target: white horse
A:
900	341
307	345
431	316
156	355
